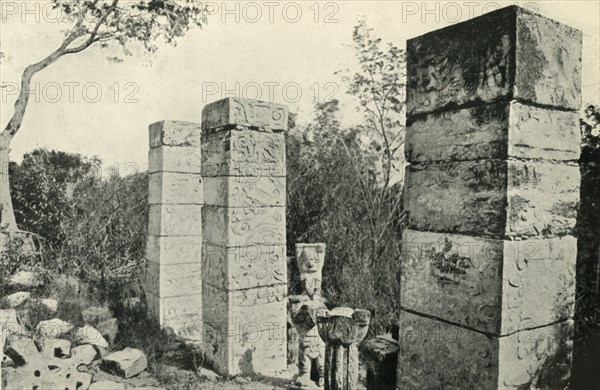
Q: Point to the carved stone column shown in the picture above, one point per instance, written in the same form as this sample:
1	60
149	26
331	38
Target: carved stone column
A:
244	236
488	265
173	251
342	329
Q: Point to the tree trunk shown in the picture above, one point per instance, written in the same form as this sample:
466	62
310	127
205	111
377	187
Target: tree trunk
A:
7	214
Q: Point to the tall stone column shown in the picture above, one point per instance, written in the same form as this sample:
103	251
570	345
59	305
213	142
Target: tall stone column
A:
488	267
244	236
174	246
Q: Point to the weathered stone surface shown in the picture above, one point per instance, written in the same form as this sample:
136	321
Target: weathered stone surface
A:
24	280
243	153
54	347
246	329
90	335
109	329
50	304
107	385
243	226
237	191
234	111
183	314
174	220
435	354
489	285
174	133
517	55
380	356
494	131
175	159
174	279
174	250
8	325
53	329
244	267
17	299
126	363
174	188
491	197
95	314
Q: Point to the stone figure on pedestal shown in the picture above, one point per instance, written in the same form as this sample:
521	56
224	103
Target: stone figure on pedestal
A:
305	308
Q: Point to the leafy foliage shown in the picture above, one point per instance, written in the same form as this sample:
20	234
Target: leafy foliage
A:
344	186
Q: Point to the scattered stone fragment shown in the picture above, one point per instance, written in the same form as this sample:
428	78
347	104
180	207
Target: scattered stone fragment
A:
101	352
25	280
89	335
51	304
84	354
53	329
241	379
209	374
8	325
20	348
109	329
126	363
95	315
39	370
107	385
17	299
54	347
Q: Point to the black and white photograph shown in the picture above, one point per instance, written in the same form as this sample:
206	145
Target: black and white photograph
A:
299	195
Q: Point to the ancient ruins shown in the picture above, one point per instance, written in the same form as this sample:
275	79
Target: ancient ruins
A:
489	254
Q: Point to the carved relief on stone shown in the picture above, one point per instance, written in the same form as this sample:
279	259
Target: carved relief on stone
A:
243	267
243	153
234	111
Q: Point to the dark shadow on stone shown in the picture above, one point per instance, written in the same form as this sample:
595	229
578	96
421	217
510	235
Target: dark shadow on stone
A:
586	375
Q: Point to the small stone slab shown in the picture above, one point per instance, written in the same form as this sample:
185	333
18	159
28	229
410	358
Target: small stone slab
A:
24	280
90	335
53	329
17	299
126	363
109	329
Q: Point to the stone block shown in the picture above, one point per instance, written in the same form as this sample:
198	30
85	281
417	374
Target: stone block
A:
243	153
489	285
240	191
90	335
494	131
246	329
492	197
435	354
175	188
244	267
233	111
183	314
174	249
175	220
173	280
262	307
126	363
175	133
517	55
175	159
224	226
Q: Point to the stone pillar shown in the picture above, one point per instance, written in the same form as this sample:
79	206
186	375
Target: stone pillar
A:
174	246
342	329
244	236
488	266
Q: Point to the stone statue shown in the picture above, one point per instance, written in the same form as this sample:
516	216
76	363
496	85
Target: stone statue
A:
305	310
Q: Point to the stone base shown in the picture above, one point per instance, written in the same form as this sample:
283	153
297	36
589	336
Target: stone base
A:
183	314
438	355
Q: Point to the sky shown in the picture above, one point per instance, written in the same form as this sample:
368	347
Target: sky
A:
283	51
